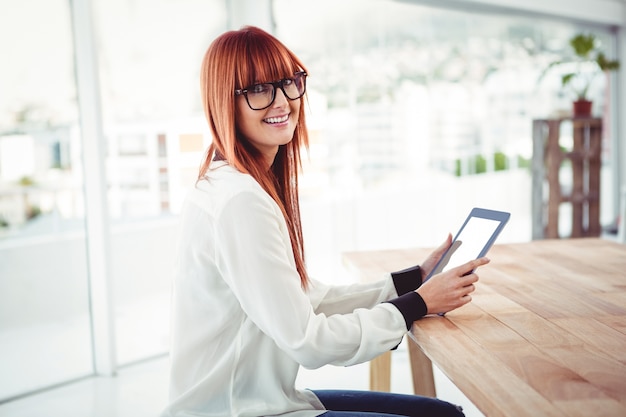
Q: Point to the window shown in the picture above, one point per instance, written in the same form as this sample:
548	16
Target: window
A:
419	118
149	57
45	335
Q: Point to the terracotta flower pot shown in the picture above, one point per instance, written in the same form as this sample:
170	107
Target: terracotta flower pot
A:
582	108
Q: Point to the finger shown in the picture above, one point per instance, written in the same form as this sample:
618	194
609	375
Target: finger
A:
480	261
468	279
472	265
445	245
466	299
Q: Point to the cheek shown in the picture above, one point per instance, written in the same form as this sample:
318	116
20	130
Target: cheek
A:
243	118
295	109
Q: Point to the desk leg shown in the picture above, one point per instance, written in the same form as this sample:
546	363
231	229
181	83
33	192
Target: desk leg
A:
422	370
380	373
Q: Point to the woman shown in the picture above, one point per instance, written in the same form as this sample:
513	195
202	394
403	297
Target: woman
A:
246	315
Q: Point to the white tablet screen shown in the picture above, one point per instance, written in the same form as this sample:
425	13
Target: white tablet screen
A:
476	236
469	243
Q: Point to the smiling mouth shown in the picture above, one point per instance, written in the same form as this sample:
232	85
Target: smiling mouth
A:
274	120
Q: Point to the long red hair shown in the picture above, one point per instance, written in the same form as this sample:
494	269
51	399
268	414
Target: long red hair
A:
235	60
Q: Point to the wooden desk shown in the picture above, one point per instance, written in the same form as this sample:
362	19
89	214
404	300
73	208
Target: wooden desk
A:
545	334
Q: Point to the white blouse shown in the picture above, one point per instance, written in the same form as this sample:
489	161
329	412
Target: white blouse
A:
242	324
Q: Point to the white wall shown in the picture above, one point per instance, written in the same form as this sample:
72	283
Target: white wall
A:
605	12
250	12
140	262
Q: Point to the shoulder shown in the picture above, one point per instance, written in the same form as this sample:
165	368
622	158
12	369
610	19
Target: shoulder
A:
223	187
226	179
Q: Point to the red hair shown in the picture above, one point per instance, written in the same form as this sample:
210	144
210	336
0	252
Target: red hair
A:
235	60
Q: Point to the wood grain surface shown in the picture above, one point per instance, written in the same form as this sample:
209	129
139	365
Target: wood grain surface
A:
545	334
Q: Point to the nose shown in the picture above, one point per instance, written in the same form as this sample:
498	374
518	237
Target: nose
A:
280	99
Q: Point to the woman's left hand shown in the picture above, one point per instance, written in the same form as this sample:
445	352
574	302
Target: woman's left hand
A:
434	257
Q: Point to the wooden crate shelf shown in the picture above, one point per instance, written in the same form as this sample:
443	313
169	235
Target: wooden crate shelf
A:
548	192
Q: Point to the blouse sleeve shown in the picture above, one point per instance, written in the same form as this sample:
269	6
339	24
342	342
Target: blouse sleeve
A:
255	258
341	299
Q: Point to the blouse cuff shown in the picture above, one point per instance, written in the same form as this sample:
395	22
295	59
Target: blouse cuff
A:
407	280
412	306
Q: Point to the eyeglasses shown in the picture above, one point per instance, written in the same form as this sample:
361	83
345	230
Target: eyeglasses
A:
261	96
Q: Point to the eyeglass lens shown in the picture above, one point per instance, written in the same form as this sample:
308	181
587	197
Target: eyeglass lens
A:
261	96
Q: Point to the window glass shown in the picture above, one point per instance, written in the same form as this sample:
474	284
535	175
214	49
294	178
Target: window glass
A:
419	114
149	54
45	334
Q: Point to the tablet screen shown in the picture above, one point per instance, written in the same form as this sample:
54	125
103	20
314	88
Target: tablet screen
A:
476	236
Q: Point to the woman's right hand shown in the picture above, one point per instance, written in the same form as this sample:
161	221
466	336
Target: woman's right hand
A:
449	290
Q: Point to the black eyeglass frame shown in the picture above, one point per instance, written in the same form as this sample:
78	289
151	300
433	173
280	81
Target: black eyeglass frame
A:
276	84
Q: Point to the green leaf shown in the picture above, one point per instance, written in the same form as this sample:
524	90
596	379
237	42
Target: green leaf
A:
583	44
566	78
606	64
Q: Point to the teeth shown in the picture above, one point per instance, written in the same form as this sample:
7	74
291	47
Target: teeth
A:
276	119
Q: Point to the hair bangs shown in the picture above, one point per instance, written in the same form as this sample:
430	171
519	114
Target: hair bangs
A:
267	59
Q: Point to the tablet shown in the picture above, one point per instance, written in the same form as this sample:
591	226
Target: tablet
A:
476	236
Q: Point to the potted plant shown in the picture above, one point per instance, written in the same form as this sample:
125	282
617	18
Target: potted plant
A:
588	62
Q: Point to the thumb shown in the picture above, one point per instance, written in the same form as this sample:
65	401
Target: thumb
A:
446	244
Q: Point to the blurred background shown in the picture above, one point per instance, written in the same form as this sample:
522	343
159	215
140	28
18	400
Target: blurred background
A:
418	111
